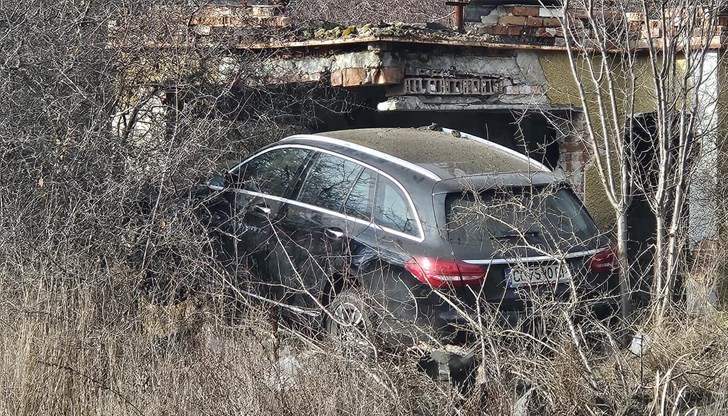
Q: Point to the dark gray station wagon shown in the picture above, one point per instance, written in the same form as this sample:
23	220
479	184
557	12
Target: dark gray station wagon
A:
406	235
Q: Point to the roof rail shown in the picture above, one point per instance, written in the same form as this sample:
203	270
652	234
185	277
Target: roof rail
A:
325	139
480	140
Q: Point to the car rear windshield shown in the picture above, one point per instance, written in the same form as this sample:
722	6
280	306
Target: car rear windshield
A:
498	219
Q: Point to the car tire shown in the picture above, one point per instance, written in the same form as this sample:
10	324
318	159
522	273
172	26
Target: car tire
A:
349	324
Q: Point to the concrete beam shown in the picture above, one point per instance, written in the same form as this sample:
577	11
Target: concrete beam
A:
344	69
420	103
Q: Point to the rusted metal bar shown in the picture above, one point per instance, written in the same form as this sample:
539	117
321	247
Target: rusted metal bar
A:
458	16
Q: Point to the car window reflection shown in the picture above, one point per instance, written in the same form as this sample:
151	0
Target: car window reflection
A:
329	182
359	203
391	209
272	172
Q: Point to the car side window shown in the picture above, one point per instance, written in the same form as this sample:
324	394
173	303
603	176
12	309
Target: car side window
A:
273	172
391	208
361	197
329	181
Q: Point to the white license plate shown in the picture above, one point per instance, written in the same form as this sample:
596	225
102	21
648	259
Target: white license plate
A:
538	275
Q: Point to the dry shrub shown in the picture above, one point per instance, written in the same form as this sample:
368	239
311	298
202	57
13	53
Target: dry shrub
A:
358	12
64	353
83	213
685	367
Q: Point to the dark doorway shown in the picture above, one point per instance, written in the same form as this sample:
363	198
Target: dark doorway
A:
527	133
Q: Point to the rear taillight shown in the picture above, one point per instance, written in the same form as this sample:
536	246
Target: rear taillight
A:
440	273
605	261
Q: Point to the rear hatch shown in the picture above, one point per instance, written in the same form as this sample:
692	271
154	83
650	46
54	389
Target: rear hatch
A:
532	241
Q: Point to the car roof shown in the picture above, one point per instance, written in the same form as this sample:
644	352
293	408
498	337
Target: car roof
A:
445	153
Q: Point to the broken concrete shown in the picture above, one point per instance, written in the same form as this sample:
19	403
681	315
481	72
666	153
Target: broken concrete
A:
485	81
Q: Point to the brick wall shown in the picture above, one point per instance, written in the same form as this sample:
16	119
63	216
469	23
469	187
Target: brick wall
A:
542	25
574	152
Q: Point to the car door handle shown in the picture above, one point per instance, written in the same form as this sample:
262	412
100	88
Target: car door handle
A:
261	209
333	234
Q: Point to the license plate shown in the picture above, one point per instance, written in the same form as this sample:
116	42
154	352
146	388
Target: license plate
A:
538	275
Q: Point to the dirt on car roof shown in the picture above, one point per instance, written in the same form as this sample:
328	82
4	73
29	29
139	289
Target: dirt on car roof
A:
439	151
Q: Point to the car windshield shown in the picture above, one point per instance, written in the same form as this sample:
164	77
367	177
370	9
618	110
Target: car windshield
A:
545	218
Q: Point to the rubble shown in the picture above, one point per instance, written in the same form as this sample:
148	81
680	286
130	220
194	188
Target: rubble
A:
503	26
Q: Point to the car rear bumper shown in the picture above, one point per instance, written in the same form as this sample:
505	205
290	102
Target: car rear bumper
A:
451	324
450	359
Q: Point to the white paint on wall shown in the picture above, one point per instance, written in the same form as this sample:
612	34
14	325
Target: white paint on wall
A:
702	203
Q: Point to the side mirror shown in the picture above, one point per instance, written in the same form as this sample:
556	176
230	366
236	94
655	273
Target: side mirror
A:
216	183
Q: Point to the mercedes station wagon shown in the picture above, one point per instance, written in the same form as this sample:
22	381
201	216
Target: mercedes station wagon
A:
403	237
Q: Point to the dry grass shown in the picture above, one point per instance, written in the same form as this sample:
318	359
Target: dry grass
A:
75	338
85	349
81	346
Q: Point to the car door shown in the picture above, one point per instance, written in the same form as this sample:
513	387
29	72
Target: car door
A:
318	231
396	224
256	190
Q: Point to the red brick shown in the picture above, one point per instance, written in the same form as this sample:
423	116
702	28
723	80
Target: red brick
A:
512	20
542	32
502	30
522	10
498	30
534	21
387	75
337	78
551	22
354	77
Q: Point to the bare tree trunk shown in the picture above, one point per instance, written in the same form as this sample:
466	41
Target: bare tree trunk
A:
601	115
624	276
607	58
657	281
